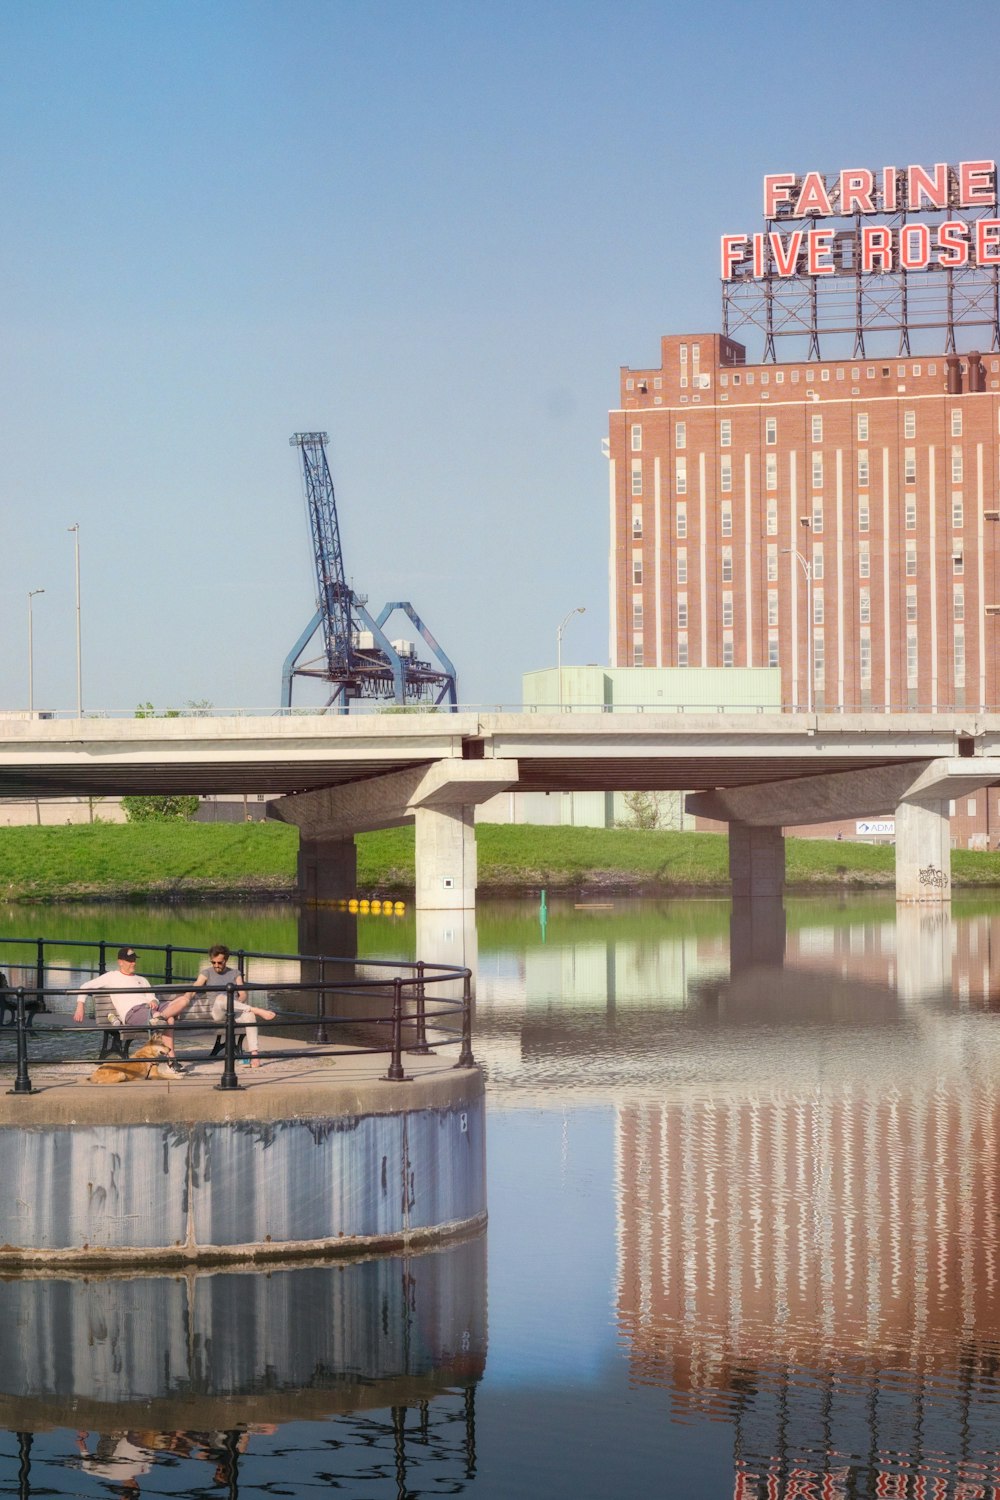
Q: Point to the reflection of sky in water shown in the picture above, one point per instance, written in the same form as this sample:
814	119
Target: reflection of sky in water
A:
743	1233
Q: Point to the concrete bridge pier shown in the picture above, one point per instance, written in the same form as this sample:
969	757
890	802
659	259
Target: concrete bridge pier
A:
923	852
757	918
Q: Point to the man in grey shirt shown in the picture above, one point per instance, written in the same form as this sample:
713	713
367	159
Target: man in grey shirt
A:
214	978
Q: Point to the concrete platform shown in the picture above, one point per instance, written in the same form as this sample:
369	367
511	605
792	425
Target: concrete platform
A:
310	1156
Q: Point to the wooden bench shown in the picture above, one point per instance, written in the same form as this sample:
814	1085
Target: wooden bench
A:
116	1039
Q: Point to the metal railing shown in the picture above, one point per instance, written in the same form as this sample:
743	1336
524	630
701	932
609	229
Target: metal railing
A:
400	1008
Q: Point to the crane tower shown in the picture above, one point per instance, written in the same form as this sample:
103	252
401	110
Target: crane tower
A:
358	660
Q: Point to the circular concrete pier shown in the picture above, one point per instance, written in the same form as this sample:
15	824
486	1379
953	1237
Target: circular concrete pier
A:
310	1158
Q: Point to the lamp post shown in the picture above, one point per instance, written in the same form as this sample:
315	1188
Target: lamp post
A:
31	653
581	609
75	528
807	570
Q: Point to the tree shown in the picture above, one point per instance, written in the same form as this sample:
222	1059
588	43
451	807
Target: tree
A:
159	809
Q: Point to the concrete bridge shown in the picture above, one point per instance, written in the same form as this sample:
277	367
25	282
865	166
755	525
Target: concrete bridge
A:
337	776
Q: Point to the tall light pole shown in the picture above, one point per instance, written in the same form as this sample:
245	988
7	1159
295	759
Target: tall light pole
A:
31	653
75	528
581	609
807	570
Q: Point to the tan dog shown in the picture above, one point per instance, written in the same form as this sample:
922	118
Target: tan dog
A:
142	1063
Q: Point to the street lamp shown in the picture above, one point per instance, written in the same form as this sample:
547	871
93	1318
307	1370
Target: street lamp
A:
807	570
75	528
31	653
581	609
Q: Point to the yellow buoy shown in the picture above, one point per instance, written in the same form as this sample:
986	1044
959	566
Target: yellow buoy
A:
377	907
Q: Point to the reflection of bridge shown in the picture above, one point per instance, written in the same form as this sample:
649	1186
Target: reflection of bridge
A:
336	776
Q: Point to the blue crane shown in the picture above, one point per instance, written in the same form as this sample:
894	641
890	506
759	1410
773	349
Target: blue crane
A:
359	660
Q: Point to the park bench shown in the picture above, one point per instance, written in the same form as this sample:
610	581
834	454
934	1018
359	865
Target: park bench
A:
116	1039
8	1004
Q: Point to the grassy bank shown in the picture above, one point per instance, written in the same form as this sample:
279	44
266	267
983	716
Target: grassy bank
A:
255	859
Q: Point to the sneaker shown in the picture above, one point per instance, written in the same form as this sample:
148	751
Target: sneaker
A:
175	1067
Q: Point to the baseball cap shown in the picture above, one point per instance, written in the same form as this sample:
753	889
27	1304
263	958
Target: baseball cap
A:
128	953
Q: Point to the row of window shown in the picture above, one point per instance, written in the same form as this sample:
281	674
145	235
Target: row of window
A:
816	471
815	425
819	656
818	604
747	377
771	518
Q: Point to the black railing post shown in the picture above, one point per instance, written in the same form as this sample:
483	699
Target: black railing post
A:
465	1057
229	1079
168	964
40	975
22	1083
420	1047
395	1073
102	956
321	1036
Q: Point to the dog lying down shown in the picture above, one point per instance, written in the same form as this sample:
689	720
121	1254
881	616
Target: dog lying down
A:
142	1063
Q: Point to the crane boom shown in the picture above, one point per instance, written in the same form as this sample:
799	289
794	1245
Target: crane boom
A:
335	598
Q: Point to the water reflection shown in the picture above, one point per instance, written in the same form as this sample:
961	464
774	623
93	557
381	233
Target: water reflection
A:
111	1377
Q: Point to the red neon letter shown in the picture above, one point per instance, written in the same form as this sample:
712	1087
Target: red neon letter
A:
733	246
856	191
785	258
954	247
777	189
888	189
975	182
876	244
820	246
987	246
914	247
921	184
813	197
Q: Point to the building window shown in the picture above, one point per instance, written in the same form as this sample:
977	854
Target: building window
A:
909	424
637	438
863	467
865	606
772	518
636	614
682	565
770	430
772	563
958	604
866	657
772	606
727	651
680	476
912	659
910	465
637	476
817	606
771	471
727	518
956	466
817	471
680	435
911	602
725	433
957	561
819	658
970	807
682	653
637	653
636	522
864	514
772	642
911	559
957	511
727	611
637	570
862	427
864	561
959	657
817	515
817	428
726	474
682	611
727	564
817	560
956	422
681	519
910	511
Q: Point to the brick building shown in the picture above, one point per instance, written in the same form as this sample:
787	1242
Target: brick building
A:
846	511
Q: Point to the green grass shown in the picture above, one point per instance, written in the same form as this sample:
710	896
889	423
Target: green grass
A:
147	860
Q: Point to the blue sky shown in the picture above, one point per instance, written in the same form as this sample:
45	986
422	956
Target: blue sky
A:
435	231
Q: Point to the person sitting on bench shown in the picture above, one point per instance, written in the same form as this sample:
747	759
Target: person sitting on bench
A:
131	997
215	977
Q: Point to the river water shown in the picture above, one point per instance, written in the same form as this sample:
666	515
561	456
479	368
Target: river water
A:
743	1239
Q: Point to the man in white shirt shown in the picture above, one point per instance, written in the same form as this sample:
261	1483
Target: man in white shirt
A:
131	998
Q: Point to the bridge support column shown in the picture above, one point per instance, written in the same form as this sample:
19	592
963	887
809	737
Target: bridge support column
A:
923	852
446	866
327	868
